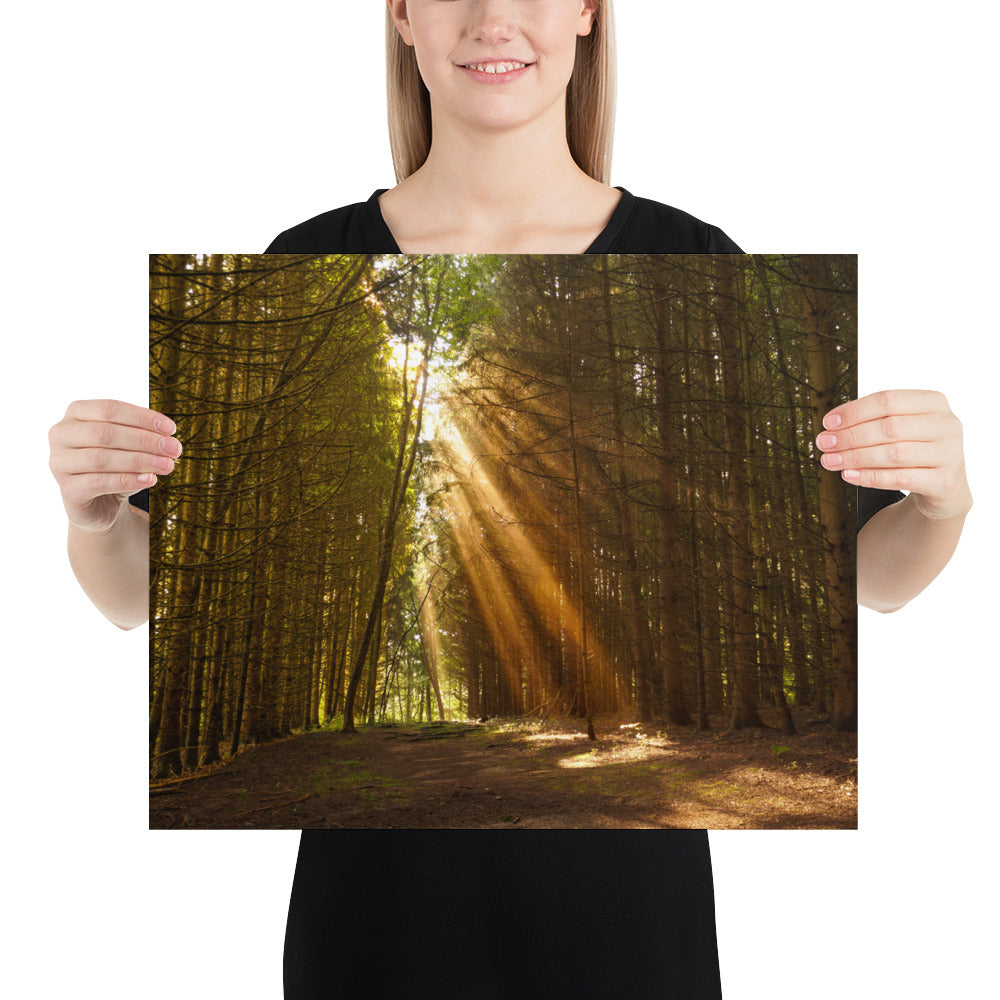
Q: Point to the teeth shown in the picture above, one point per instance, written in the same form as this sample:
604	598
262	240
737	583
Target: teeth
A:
505	67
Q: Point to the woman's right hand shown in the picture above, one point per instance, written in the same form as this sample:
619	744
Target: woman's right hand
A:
103	451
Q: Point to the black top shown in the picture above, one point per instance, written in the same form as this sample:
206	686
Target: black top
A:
503	915
872	501
498	915
637	225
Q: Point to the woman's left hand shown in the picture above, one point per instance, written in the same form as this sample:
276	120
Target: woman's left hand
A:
900	439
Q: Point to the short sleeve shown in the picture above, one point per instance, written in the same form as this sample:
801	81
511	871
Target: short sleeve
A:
719	242
870	502
140	500
278	245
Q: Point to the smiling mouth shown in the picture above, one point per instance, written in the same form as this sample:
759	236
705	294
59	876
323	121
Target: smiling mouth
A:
495	68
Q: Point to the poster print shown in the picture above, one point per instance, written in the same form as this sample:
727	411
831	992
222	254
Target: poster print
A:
502	541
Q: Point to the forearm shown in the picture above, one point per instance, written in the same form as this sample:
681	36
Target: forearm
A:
113	568
900	551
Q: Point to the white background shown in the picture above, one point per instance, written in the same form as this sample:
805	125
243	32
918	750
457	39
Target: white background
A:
136	127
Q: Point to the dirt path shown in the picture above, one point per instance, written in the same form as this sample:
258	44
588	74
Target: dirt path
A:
526	773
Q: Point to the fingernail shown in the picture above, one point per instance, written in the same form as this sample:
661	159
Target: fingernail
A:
851	474
832	461
165	426
827	441
832	420
146	477
163	464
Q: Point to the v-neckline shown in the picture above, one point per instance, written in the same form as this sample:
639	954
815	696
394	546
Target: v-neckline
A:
605	238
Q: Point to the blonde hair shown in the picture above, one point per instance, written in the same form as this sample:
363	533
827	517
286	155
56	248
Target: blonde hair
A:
590	100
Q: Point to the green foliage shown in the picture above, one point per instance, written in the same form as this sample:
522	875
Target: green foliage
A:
346	775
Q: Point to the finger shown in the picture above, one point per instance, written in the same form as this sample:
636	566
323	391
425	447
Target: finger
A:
882	404
115	411
78	461
898	455
85	487
92	434
924	481
909	427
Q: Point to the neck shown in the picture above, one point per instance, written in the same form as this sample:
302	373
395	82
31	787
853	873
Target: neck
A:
514	190
507	174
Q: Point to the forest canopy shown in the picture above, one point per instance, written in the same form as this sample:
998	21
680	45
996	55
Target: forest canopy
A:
421	487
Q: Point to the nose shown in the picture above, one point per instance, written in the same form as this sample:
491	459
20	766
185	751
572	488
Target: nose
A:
491	21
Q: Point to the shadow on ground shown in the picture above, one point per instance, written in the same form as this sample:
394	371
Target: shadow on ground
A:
526	773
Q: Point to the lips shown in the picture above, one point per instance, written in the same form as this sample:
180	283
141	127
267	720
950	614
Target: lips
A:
495	67
494	72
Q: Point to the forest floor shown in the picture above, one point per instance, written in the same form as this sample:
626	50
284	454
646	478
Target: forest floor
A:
526	773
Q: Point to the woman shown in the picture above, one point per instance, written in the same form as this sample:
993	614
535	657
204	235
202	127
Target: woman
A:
500	118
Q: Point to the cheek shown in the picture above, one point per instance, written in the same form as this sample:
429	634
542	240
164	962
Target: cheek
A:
426	55
555	31
427	32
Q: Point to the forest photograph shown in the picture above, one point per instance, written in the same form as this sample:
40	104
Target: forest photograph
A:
502	542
